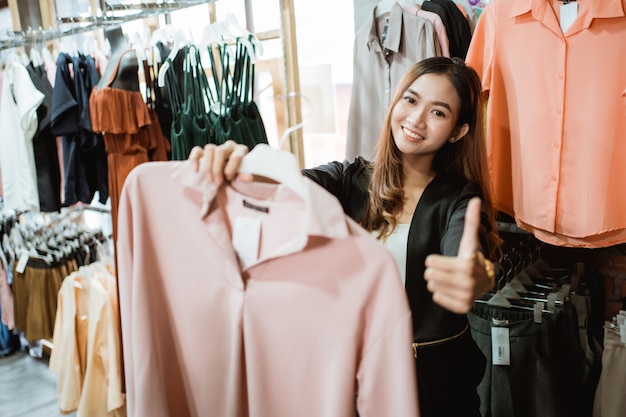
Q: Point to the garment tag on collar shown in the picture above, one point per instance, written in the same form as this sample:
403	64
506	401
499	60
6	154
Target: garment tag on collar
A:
569	12
500	346
246	237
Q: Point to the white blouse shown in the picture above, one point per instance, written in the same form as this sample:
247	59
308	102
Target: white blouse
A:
396	244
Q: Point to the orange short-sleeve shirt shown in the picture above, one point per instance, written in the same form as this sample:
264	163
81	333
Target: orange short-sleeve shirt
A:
556	117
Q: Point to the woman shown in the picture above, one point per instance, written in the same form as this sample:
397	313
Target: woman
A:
422	197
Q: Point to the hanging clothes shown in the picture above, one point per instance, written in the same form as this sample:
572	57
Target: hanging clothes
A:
384	49
535	329
20	100
217	108
86	353
84	155
557	168
238	118
456	23
131	133
45	145
609	398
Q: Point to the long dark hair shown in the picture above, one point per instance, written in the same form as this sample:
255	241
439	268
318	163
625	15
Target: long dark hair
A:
466	157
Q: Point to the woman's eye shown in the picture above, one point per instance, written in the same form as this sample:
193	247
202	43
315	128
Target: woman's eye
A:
409	99
439	113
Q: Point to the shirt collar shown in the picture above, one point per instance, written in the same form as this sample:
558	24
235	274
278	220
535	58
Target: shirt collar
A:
324	215
394	31
594	9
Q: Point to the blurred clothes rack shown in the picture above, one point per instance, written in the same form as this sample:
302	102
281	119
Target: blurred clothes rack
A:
534	328
86	354
217	108
37	251
111	14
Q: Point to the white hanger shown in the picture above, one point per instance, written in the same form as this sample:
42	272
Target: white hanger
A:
180	40
35	57
499	300
275	164
384	7
257	47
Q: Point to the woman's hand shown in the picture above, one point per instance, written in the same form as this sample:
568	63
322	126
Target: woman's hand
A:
219	162
456	281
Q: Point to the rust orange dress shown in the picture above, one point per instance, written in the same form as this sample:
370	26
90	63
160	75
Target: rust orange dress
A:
131	131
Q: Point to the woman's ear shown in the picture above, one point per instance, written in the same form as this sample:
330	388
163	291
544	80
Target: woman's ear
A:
459	133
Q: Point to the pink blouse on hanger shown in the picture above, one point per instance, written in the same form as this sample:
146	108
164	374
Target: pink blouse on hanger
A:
318	320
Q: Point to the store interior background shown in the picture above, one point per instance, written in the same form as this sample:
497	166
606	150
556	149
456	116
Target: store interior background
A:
324	35
325	32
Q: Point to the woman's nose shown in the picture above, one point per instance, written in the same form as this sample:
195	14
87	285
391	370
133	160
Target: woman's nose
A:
415	117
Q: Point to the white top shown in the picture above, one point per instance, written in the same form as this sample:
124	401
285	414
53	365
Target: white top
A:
19	101
396	244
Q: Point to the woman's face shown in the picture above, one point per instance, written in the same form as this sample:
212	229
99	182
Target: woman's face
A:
425	117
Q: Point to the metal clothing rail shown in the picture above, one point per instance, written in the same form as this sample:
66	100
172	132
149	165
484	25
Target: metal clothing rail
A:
110	14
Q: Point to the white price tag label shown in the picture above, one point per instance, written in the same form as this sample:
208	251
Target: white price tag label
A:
21	264
500	346
246	238
552	302
569	12
538	312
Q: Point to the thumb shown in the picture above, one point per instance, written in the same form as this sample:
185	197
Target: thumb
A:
469	240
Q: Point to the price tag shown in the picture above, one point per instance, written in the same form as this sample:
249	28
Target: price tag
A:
246	237
569	12
500	346
538	312
21	264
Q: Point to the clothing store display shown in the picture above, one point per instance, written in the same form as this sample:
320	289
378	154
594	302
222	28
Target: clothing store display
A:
266	297
439	370
84	154
45	145
384	49
545	373
557	167
213	111
456	23
306	313
19	100
440	28
609	398
130	130
86	353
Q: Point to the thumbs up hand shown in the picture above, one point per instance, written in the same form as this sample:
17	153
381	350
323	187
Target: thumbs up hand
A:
456	281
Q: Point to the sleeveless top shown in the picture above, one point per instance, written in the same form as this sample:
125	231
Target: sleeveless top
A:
131	131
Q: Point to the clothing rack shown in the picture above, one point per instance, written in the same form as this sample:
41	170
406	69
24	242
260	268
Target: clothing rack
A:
110	14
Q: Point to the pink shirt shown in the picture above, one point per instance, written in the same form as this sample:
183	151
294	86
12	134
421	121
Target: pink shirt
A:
319	316
556	117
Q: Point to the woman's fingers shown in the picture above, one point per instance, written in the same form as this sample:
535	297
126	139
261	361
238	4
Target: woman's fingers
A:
235	152
219	162
452	281
194	157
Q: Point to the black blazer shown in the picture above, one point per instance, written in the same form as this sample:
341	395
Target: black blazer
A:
436	227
